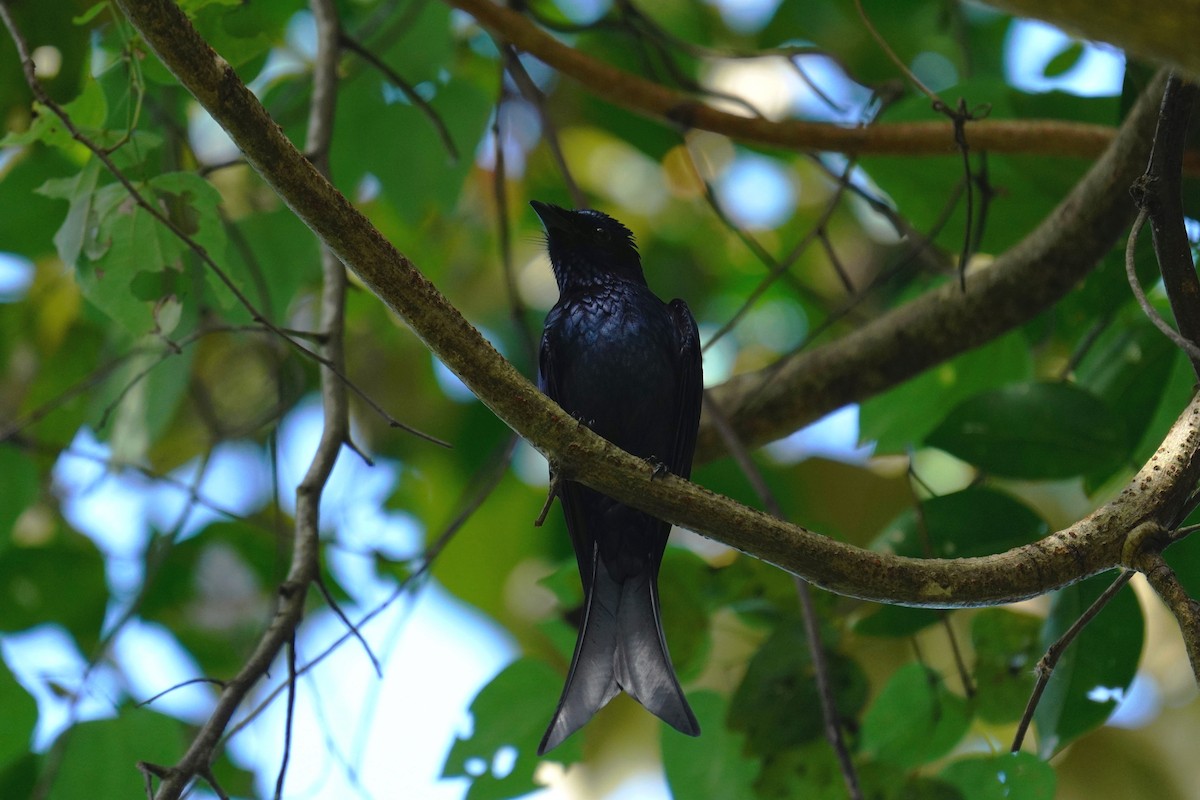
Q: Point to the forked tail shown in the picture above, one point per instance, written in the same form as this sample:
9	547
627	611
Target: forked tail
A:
620	647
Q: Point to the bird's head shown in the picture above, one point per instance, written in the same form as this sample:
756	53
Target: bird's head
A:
588	247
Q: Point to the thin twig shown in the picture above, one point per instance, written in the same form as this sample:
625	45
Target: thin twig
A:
1045	666
1189	347
516	307
533	95
409	91
289	718
964	674
337	609
180	685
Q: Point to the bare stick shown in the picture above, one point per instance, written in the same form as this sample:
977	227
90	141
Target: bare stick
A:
1045	666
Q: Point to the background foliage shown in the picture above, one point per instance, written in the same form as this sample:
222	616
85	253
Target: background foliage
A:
124	348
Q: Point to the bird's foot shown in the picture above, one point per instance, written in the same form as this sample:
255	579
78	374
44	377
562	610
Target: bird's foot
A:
658	467
550	495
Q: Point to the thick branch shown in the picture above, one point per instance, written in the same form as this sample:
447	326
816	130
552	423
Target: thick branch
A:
1046	137
1092	545
1160	30
941	324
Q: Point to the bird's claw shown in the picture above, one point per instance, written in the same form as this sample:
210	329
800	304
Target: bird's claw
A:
658	467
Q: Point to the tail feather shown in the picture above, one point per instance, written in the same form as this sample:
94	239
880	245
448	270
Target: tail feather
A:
620	646
644	668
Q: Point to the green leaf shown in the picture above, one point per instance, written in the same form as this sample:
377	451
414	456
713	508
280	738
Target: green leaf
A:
1127	368
32	581
897	621
976	521
423	177
20	718
1034	431
713	765
777	706
18	489
27	225
1095	670
127	259
1064	61
1007	647
100	758
19	777
510	715
87	112
78	190
1174	395
90	14
915	719
1007	776
898	418
683	582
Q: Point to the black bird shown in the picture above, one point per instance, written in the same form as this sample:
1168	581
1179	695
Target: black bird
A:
628	366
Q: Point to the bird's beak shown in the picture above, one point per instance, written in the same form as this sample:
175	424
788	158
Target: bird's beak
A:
553	217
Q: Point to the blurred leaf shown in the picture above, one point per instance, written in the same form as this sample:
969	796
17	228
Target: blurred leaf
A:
1174	394
19	777
1184	557
712	765
897	419
1007	647
912	28
27	227
18	490
212	591
897	621
1064	61
1034	431
100	758
914	720
976	521
812	773
685	606
777	706
20	717
422	177
1096	670
33	591
1007	776
510	715
1127	369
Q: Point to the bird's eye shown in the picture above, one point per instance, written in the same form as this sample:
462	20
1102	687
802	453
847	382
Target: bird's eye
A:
602	234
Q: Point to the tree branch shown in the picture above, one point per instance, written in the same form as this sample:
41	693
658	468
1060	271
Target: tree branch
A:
1046	137
1013	289
305	563
1092	545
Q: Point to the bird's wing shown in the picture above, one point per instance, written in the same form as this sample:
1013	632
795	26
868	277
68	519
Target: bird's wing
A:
690	372
573	505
